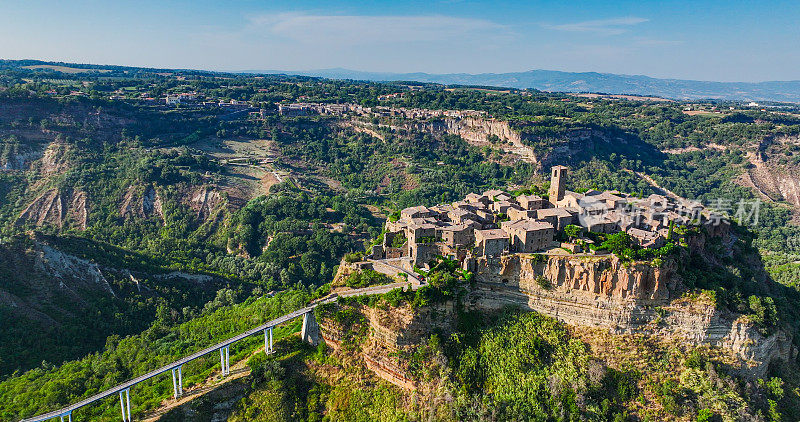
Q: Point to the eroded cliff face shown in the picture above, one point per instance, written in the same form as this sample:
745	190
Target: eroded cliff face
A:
141	202
206	201
474	130
625	299
19	160
770	174
386	334
603	276
477	131
57	207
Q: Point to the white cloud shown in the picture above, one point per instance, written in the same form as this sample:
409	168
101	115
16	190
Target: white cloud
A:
613	26
349	30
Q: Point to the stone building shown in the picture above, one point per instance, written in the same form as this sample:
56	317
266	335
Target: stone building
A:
558	181
520	214
531	202
491	242
647	239
502	207
529	235
416	212
467	229
557	217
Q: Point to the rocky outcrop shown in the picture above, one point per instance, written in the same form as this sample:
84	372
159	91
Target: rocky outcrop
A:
390	333
141	202
595	276
474	130
18	160
205	201
64	266
637	298
477	131
773	172
57	207
49	159
47	283
701	322
54	159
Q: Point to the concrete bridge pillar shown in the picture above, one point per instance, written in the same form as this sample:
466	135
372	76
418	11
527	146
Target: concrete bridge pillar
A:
125	402
177	383
268	349
310	331
225	360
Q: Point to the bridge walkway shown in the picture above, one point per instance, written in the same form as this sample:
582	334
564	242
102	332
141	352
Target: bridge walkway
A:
124	387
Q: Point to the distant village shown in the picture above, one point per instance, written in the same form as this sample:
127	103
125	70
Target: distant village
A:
296	109
496	223
306	109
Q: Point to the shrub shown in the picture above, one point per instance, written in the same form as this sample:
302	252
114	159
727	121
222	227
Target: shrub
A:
353	257
544	282
399	240
366	278
705	415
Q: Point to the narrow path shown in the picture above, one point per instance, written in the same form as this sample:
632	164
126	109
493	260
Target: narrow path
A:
412	277
655	185
239	370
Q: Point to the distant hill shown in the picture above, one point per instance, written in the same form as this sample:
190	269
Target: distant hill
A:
550	80
544	80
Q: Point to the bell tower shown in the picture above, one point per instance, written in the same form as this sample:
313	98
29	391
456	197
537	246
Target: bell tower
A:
558	176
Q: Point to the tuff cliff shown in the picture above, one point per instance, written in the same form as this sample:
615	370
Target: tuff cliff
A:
625	298
381	336
477	131
520	141
594	291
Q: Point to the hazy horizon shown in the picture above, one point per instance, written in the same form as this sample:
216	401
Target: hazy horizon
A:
672	40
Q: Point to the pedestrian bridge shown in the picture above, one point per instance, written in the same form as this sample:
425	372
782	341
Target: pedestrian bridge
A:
308	333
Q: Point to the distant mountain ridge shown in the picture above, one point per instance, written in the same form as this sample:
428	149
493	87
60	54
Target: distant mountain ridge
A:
544	80
609	83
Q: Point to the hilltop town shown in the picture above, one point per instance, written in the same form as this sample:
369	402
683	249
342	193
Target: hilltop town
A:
495	223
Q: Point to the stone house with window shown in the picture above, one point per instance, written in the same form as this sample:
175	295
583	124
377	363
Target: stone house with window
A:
529	235
647	239
491	242
557	217
531	202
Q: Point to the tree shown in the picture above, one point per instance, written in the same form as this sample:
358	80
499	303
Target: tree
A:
618	243
572	231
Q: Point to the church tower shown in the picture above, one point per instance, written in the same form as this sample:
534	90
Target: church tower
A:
557	180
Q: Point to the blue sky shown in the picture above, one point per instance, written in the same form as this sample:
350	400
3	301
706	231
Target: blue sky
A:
706	40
